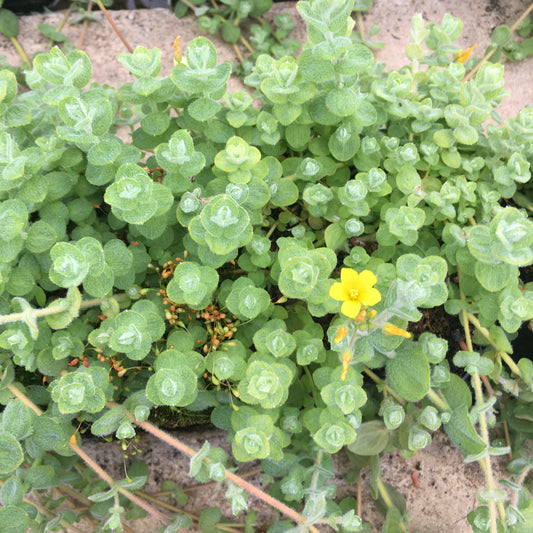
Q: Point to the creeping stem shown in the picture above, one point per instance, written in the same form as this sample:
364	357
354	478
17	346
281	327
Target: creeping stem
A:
485	332
37	313
91	463
175	443
489	54
466	319
388	502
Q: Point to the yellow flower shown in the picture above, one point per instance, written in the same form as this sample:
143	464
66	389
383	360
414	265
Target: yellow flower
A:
355	290
391	329
463	55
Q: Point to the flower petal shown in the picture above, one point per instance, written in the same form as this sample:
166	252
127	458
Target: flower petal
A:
338	292
349	278
351	309
370	297
367	279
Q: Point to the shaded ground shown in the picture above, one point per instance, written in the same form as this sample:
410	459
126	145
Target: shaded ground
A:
447	486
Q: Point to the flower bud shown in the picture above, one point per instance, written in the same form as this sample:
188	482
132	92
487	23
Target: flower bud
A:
341	334
346	358
391	329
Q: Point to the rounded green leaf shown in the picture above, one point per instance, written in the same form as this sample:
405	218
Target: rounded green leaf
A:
13	217
408	179
143	61
17	419
372	438
192	284
248	302
105	152
40	477
408	373
69	266
332	436
203	109
225	223
11	455
342	102
12	491
9	23
172	387
14	519
249	444
495	277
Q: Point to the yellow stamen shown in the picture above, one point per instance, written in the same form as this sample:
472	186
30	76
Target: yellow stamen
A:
346	358
463	55
341	334
391	329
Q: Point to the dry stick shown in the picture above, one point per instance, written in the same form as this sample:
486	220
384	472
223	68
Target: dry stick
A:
114	26
46	512
91	464
85	25
175	443
171	507
489	55
111	482
127	529
189	5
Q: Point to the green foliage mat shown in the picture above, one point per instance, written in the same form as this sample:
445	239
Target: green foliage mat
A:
262	266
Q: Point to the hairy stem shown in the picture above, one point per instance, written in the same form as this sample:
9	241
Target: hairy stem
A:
482	424
15	317
20	50
437	400
376	379
175	443
388	502
91	463
485	332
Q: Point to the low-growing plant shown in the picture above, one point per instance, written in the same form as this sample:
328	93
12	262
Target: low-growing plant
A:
266	265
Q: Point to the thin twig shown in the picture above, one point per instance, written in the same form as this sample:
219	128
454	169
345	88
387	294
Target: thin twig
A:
489	55
175	443
92	464
238	52
114	26
85	26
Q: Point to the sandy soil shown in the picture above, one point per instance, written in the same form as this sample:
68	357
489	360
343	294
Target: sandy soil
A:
448	487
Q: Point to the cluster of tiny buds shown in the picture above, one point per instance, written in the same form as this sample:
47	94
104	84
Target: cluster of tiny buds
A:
116	365
218	324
